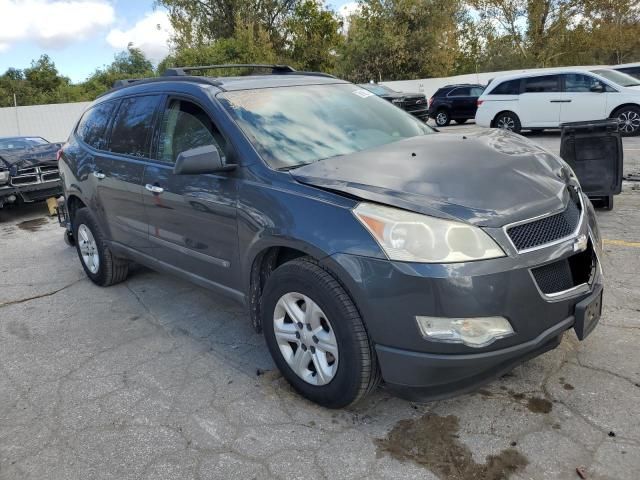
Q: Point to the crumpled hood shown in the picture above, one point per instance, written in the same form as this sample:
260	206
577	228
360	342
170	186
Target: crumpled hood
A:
490	178
40	154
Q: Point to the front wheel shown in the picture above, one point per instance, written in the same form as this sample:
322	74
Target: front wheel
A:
628	120
316	336
508	121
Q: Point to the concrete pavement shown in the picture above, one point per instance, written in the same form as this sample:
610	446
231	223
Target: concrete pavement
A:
156	378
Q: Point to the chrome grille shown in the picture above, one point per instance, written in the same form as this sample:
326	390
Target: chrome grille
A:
548	229
35	175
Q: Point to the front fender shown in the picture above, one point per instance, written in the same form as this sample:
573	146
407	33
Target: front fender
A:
318	225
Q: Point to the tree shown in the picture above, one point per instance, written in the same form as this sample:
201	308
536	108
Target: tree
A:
403	39
312	37
43	75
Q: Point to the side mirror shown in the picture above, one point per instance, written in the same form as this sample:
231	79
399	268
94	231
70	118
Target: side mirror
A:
200	160
597	88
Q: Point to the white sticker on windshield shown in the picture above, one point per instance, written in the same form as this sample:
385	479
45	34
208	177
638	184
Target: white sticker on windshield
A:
362	93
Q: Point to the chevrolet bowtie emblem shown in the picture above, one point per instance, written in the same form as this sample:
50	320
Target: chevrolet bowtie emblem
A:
580	244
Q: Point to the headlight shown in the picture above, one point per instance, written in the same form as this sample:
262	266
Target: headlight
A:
4	177
412	237
473	332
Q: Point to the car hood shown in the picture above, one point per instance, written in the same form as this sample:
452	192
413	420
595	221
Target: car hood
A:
490	178
40	154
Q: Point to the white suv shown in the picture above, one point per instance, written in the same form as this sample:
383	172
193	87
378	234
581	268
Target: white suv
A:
538	100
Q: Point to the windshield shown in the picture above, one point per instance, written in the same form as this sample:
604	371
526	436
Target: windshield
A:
377	89
293	126
620	78
21	143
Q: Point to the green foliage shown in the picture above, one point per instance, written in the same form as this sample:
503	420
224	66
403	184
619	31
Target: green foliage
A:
42	83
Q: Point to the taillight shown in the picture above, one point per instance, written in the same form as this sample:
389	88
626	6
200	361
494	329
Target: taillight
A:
430	101
479	102
58	155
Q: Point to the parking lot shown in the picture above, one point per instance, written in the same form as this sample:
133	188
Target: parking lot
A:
157	378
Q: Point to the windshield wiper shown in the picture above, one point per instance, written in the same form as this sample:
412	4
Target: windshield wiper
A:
293	167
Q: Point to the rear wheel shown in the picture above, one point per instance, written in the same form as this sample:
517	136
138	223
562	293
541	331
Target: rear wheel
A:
460	121
316	336
508	121
101	266
628	120
442	118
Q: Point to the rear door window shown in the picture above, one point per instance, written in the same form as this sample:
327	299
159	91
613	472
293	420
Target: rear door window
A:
132	126
510	87
543	84
92	128
460	92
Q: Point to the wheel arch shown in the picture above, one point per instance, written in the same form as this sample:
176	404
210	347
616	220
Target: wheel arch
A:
620	107
263	262
493	121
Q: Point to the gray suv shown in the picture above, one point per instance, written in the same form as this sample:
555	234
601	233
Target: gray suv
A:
364	245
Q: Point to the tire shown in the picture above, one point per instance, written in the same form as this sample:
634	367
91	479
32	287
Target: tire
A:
354	371
460	121
443	119
103	268
507	121
628	120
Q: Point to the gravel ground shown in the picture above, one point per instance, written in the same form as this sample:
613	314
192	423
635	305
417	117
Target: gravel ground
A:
156	378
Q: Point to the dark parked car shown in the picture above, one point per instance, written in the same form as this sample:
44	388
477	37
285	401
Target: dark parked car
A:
351	231
632	69
454	102
414	103
28	170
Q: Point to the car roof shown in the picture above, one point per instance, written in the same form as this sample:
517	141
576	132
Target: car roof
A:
281	76
455	85
540	73
625	65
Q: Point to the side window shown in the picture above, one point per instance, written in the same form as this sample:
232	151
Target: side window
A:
131	132
476	91
545	84
510	87
93	124
633	71
459	92
185	126
575	82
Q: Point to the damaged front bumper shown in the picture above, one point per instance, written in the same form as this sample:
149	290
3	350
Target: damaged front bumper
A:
31	184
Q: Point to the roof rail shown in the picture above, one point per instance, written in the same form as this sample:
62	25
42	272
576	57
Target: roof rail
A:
182	71
118	84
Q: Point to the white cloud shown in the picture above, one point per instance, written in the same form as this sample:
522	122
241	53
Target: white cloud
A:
346	10
151	35
52	23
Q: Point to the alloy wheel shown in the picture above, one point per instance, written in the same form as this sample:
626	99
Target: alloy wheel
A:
88	249
441	119
629	121
506	123
306	338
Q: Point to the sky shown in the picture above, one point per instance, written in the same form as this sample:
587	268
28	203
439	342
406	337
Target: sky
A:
82	35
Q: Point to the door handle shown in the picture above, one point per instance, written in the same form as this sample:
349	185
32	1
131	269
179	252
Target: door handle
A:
99	175
560	101
154	188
